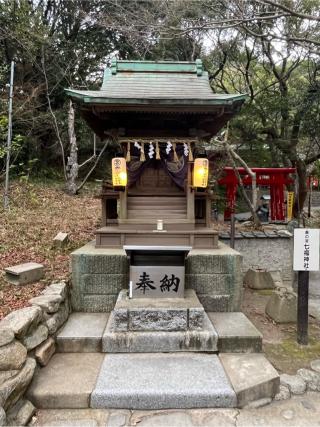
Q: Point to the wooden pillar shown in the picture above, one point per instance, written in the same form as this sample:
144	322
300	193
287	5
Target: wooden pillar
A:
103	212
190	195
123	213
208	211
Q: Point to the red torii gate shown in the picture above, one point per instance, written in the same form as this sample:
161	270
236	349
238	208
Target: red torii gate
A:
274	178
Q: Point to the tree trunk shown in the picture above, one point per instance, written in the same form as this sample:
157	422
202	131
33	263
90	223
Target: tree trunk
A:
302	190
252	205
72	164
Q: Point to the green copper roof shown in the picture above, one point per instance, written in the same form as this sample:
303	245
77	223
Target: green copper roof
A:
147	82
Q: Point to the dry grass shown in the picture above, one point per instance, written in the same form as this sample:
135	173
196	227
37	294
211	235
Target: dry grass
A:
37	213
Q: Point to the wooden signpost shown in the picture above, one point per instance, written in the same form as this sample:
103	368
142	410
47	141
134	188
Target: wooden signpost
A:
290	199
305	259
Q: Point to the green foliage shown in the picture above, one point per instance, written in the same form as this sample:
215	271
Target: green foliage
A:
16	143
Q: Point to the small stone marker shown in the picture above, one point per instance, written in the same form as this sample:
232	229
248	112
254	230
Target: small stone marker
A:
61	240
22	274
258	278
282	306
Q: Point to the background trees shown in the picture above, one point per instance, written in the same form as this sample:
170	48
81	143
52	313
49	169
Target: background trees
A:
268	49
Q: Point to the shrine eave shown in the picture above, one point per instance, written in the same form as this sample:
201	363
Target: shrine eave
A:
96	98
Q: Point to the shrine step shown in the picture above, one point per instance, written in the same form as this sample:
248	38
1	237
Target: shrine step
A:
162	381
82	333
152	381
231	332
236	333
204	340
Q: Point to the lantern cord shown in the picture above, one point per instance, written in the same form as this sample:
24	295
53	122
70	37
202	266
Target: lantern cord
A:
190	152
157	151
128	158
142	155
175	157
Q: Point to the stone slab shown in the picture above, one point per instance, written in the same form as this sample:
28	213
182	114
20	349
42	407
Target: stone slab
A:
236	334
251	375
61	240
259	279
157	281
157	314
66	382
161	381
189	301
22	274
82	333
196	340
299	411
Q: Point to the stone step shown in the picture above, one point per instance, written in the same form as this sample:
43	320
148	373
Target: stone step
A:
252	376
94	332
236	334
157	313
152	381
82	333
196	340
162	381
66	382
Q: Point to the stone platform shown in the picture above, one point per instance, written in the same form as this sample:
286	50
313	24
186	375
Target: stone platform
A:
80	376
117	237
157	325
157	314
204	339
99	274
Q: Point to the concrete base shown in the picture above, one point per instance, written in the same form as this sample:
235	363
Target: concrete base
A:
66	382
236	333
82	333
252	376
98	275
216	276
204	339
159	381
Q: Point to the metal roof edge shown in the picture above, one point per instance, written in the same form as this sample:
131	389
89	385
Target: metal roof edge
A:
192	67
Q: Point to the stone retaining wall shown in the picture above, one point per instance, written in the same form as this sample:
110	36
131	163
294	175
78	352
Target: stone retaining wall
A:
26	342
216	276
98	275
271	251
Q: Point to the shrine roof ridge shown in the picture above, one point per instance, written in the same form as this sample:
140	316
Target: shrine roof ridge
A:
155	82
118	66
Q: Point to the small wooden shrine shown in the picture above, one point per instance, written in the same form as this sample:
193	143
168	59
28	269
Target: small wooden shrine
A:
159	112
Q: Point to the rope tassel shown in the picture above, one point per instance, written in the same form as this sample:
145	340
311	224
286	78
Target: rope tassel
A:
157	151
175	156
190	152
128	158
142	155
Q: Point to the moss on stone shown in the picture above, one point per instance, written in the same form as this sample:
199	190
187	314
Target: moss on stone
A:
288	356
265	292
